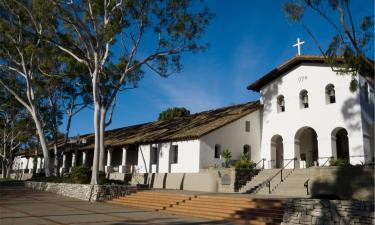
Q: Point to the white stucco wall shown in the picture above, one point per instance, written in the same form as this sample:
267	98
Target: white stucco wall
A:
188	158
367	100
232	136
322	117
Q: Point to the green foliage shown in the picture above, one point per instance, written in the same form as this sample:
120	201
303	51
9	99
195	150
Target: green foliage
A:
227	155
339	162
80	175
173	113
115	182
244	163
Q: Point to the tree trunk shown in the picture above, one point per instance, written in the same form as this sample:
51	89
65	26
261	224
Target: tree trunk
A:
8	168
43	144
103	113
95	163
3	169
56	159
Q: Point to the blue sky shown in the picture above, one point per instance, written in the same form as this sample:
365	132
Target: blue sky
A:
247	39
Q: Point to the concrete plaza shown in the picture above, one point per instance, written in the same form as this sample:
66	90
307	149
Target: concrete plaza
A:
22	206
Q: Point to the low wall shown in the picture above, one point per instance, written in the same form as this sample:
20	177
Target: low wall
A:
354	182
335	212
84	192
202	181
21	176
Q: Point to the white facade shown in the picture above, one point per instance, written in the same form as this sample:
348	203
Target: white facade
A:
233	137
187	157
321	117
198	154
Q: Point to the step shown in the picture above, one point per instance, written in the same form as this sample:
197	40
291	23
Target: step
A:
226	216
156	204
226	206
145	206
138	198
160	193
215	199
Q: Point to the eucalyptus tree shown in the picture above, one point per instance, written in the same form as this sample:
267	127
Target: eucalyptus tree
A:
117	40
15	130
353	41
22	52
67	92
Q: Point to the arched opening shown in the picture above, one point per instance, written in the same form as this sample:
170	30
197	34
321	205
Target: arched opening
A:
330	94
306	146
304	99
340	143
277	152
280	104
217	151
247	151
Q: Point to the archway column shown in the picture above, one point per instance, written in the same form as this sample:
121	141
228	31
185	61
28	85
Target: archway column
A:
122	168
297	153
290	153
265	153
108	167
324	150
356	150
334	146
271	162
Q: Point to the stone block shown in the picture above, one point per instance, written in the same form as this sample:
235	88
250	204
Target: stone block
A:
317	213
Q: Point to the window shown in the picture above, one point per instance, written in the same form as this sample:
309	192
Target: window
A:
330	94
247	151
174	154
154	155
304	99
247	126
217	151
280	104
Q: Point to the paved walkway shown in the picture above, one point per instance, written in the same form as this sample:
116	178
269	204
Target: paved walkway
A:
21	206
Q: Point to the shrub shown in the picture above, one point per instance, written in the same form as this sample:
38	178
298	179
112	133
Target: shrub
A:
227	155
118	182
80	175
244	163
339	162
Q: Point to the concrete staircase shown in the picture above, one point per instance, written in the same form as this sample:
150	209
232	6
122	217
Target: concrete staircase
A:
291	186
152	200
239	210
257	184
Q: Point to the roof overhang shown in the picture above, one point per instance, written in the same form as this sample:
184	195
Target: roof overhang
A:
283	68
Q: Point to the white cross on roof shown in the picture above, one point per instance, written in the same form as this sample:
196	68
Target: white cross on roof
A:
298	45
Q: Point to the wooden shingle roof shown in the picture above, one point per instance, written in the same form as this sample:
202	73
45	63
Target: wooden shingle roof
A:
176	129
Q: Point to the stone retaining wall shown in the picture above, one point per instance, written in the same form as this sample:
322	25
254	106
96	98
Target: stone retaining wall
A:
329	212
85	192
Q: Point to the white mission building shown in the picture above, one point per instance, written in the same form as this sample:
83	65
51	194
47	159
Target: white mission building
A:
306	112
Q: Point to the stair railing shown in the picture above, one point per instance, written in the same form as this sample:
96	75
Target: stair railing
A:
328	159
260	161
268	181
306	185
